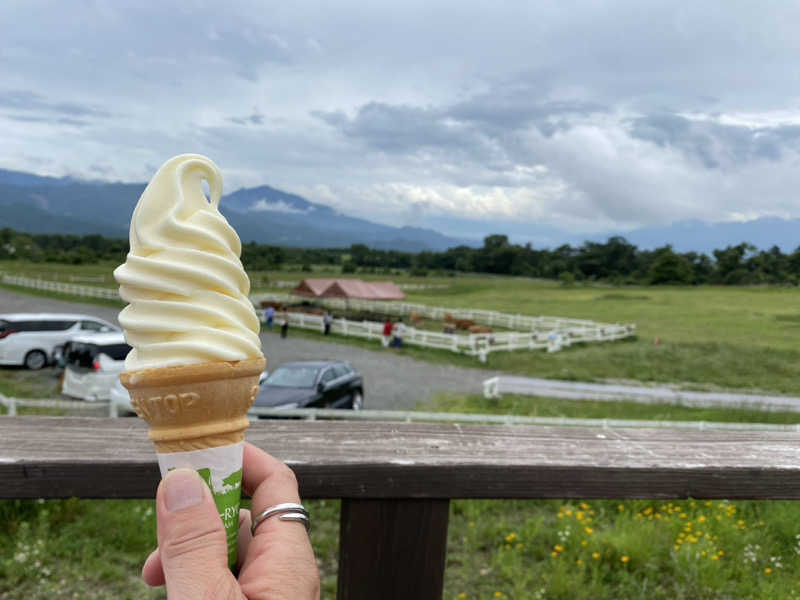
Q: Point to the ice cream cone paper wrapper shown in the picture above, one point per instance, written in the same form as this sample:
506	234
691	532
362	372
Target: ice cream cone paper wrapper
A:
221	469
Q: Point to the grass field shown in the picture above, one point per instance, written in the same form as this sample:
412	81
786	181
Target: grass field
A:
709	337
734	337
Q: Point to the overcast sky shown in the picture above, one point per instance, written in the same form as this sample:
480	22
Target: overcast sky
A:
582	115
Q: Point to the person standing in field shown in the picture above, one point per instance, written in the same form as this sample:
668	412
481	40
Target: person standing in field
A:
399	330
269	316
283	321
387	333
327	320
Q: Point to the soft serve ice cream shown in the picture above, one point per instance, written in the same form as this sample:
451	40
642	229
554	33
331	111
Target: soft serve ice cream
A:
194	369
185	285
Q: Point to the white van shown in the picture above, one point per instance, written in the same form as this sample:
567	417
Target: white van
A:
30	339
92	364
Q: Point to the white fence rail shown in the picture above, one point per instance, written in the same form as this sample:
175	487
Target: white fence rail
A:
485	317
414	416
12	404
495	387
85	291
478	344
528	333
532	333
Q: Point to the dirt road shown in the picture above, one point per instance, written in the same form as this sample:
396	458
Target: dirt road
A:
392	381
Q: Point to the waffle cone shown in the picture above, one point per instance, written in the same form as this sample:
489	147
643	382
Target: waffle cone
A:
198	406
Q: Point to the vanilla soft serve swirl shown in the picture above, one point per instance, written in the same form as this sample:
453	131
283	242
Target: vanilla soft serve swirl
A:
185	285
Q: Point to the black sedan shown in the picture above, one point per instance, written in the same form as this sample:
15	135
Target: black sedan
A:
313	384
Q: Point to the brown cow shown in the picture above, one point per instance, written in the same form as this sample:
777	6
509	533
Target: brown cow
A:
480	329
464	324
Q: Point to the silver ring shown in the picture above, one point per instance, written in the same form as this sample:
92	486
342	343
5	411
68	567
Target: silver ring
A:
288	511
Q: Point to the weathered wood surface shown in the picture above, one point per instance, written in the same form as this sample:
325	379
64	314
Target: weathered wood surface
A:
393	549
111	458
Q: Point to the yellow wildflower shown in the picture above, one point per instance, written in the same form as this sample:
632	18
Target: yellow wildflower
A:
554	554
589	530
558	548
625	559
585	543
595	555
579	562
620	507
498	594
511	537
584	506
767	570
462	595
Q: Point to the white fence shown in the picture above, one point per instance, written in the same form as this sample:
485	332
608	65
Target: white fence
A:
485	317
12	404
478	344
495	387
85	291
414	416
531	333
528	333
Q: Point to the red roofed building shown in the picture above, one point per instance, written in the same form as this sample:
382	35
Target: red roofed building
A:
349	288
312	288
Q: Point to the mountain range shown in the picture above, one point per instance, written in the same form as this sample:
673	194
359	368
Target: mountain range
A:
262	214
266	215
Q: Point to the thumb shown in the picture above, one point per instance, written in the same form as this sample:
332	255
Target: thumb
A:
191	539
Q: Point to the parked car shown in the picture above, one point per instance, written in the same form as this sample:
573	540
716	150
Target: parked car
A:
30	339
119	396
312	384
92	364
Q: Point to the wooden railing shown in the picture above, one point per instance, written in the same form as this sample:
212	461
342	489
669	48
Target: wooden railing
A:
396	479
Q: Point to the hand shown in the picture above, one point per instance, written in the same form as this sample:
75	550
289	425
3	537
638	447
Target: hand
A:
192	555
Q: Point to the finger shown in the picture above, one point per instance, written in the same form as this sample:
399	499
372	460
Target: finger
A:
275	483
191	538
279	560
152	571
260	468
245	536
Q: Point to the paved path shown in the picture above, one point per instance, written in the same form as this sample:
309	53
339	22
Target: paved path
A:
391	381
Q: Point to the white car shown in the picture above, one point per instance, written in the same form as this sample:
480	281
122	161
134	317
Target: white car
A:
30	339
120	397
92	364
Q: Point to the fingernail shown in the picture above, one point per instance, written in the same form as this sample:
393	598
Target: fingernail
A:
183	488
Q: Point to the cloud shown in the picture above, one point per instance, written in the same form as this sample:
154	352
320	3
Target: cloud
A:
29	101
254	119
279	206
581	116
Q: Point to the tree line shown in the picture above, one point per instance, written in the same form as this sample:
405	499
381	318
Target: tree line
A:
615	261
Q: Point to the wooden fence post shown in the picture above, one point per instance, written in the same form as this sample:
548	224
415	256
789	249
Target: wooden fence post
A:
392	549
